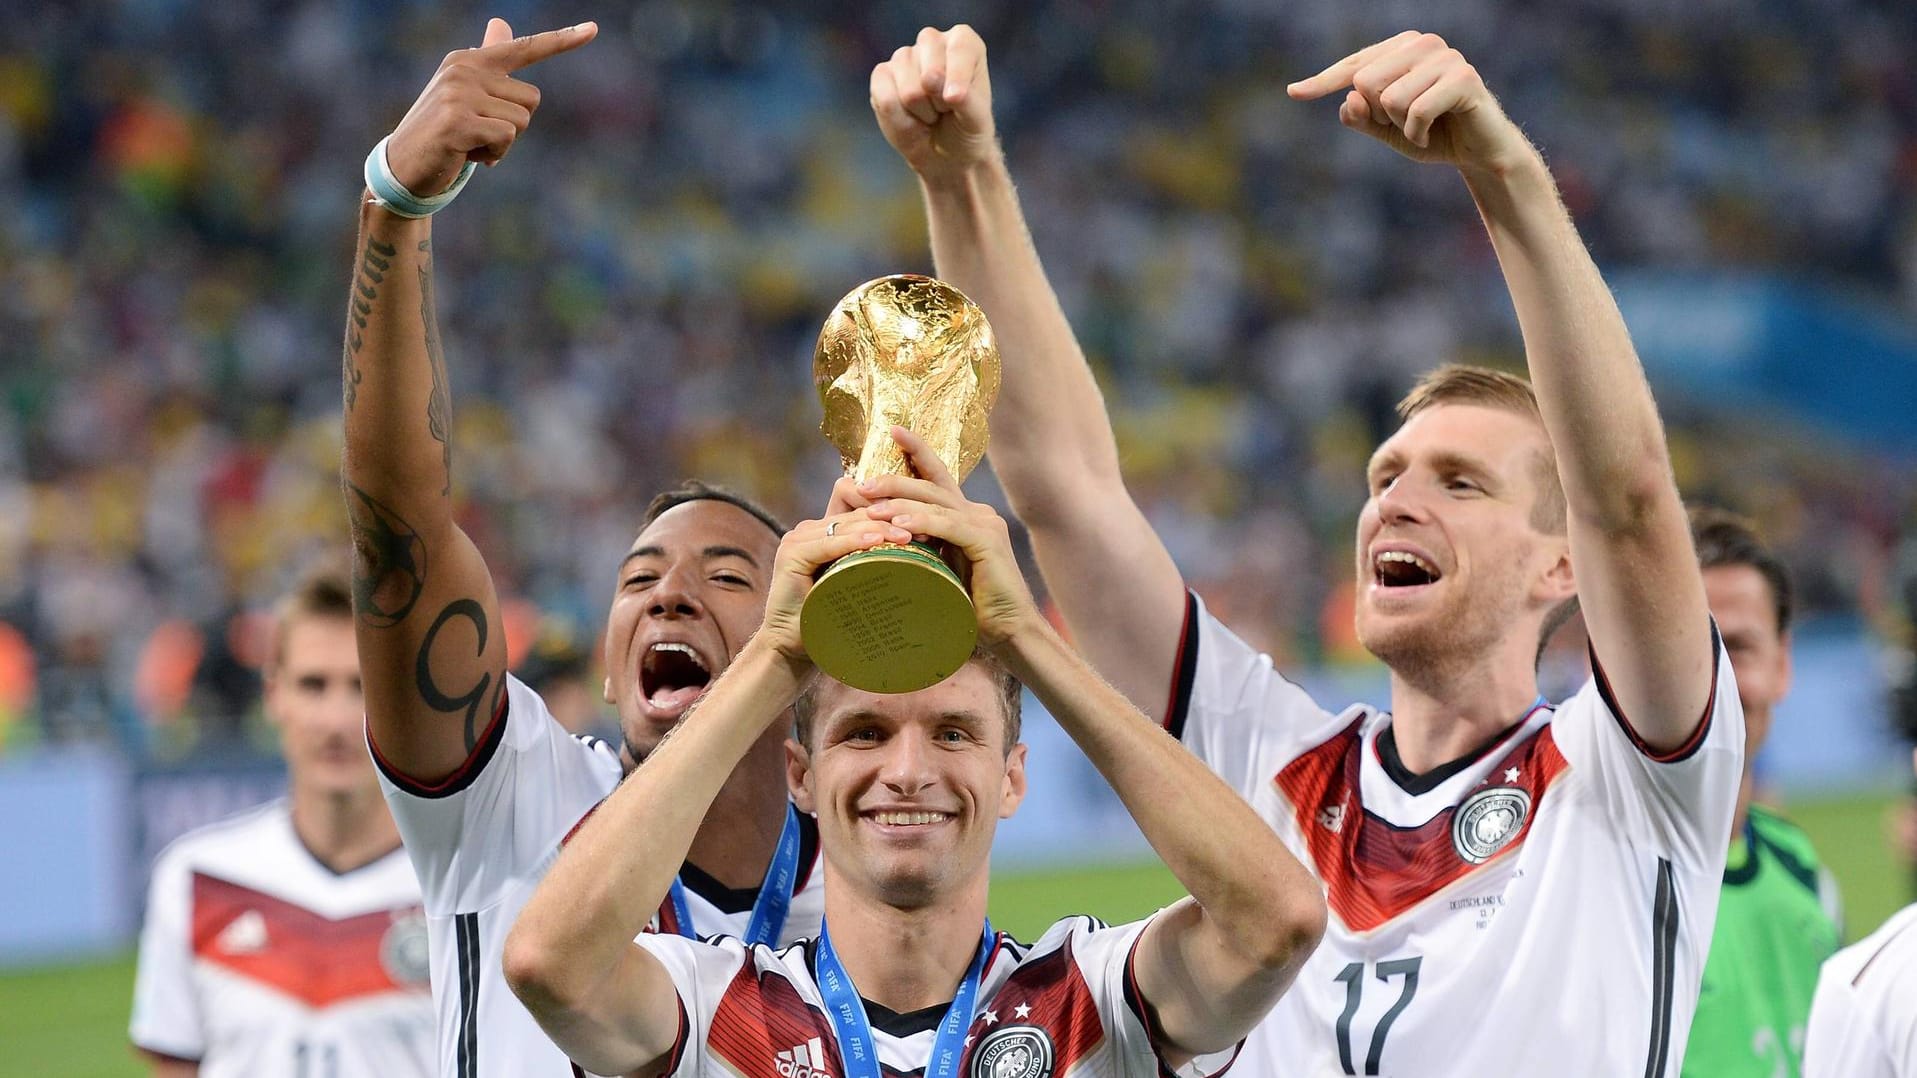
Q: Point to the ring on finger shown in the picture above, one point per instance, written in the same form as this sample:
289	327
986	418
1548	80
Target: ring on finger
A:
832	528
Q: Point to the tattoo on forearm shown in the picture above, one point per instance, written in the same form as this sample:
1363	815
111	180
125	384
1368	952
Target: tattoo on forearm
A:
389	561
374	260
439	407
476	703
350	379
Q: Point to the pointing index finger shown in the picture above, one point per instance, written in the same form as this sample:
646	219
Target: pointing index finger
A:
1338	75
510	56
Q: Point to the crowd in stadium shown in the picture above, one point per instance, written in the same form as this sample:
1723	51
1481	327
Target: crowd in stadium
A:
636	299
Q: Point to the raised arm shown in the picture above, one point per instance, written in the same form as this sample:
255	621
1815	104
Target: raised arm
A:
1052	445
1638	581
432	650
1212	965
570	958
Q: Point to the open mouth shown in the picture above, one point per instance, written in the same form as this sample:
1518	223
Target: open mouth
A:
1402	569
672	676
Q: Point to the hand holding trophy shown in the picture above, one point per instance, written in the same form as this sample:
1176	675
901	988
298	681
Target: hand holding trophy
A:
911	351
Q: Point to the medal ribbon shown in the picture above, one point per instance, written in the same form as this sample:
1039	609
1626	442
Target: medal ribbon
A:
775	892
857	1048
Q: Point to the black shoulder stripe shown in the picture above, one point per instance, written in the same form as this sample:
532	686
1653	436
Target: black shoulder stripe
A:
466	1042
1664	925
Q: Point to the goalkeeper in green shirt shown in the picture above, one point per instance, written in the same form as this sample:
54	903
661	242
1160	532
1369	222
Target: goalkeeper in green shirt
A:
1777	919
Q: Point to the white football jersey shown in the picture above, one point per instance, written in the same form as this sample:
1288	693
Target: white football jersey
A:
483	838
1542	907
257	960
1067	1005
1863	1019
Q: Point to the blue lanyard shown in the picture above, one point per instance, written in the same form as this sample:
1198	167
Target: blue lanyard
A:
775	892
859	1052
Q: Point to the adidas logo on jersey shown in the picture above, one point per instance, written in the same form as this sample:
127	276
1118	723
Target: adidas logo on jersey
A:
802	1061
245	934
1332	818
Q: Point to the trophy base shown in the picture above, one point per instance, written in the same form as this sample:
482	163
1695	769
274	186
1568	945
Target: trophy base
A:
890	619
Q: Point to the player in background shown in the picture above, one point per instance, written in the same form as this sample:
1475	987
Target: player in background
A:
1514	888
289	940
907	975
484	783
1778	916
1863	1018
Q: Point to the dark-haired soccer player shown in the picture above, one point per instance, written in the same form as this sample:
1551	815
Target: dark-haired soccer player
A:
288	940
484	782
1777	917
908	977
1514	888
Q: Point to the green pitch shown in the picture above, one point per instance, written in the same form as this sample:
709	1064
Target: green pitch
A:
70	1022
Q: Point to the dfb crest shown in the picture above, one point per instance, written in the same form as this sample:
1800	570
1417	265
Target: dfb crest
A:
1013	1052
1488	821
404	951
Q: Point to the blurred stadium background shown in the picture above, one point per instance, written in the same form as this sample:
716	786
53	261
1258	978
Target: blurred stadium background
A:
633	298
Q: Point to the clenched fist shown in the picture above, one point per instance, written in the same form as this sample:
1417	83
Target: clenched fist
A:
473	108
933	100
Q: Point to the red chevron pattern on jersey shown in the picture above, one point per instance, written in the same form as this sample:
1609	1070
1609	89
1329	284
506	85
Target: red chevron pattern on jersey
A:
305	955
1372	870
1048	992
759	1015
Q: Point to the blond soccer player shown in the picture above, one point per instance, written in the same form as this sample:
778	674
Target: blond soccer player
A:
1515	887
289	940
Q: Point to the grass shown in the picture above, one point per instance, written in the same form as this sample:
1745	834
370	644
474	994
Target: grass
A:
1026	904
70	1021
1850	837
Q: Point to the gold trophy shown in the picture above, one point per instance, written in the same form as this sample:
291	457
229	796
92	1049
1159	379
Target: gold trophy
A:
911	351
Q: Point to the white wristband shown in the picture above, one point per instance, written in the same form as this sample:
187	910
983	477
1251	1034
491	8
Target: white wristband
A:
393	195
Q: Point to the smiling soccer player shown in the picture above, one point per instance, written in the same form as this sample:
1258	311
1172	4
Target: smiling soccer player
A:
907	975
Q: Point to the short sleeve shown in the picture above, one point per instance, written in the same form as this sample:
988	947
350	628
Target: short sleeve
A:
166	1005
1234	710
1105	957
500	819
701	971
1680	803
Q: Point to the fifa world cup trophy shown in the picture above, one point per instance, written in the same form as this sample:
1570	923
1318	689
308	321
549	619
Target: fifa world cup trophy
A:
911	351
